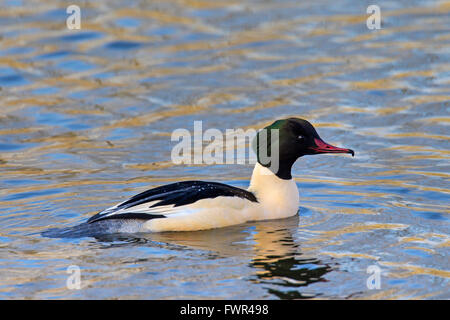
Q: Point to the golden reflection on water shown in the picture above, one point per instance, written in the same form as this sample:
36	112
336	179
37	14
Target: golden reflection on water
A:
86	122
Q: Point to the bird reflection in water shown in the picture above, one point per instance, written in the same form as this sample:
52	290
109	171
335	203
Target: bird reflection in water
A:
290	274
269	247
279	263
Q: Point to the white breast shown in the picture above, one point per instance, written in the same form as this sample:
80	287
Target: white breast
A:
278	198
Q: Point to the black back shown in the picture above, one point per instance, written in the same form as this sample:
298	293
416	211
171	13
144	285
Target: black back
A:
177	194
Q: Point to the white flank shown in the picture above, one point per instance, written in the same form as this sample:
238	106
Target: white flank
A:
277	198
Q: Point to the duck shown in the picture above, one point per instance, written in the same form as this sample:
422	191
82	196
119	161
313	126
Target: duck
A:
201	205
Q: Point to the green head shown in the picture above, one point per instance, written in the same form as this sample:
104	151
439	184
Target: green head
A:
279	145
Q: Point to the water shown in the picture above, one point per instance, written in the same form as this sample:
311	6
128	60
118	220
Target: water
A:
86	117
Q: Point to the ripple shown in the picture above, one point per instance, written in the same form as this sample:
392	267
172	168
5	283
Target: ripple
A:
123	45
429	215
26	195
87	116
80	36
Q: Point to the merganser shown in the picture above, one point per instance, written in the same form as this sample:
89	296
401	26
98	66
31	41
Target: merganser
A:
200	205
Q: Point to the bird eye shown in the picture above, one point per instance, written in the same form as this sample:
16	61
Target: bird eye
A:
301	137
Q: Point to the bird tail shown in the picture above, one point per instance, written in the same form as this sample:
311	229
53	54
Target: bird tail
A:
96	229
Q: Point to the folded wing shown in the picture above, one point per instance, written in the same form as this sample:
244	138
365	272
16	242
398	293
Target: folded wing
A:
169	199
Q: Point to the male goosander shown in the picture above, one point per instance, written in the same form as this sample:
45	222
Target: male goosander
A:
199	205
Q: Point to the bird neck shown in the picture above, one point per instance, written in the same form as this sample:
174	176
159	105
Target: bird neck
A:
279	196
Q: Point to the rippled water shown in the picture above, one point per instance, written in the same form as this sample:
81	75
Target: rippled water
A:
86	117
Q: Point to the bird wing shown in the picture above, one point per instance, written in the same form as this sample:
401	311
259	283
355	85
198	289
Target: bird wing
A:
169	199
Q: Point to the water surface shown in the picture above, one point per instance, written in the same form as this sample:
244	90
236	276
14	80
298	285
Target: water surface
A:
86	117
